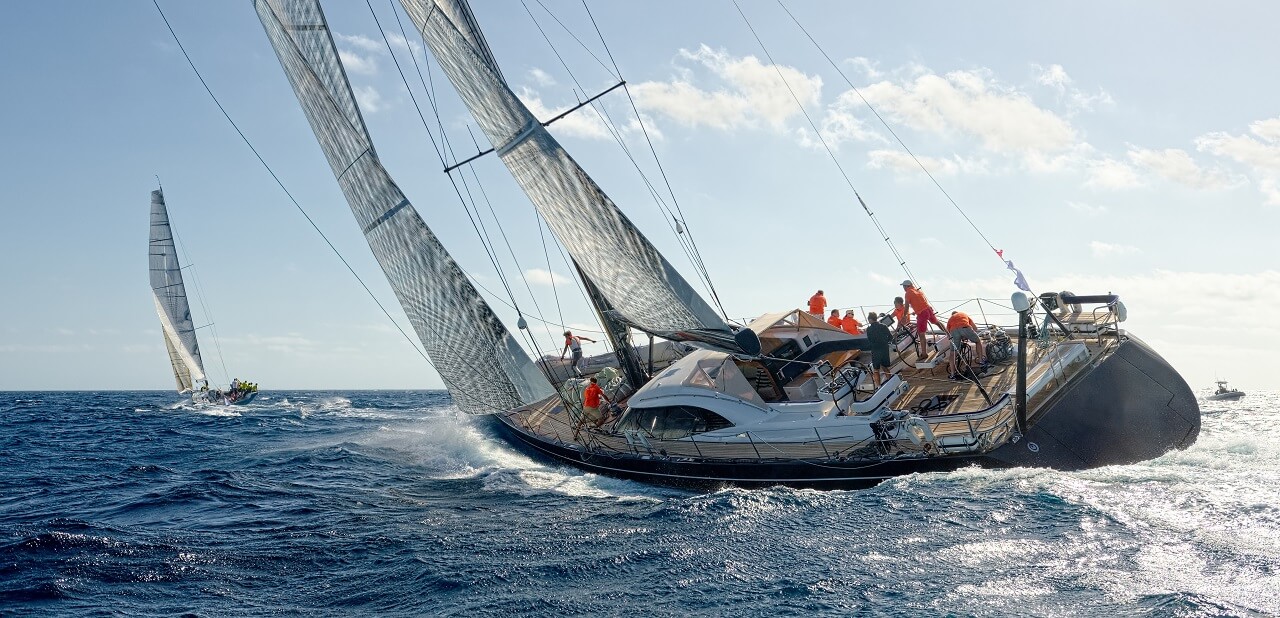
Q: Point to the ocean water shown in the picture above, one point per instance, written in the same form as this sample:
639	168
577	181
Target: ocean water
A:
389	503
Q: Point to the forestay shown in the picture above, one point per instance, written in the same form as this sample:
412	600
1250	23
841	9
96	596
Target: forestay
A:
637	280
484	368
170	296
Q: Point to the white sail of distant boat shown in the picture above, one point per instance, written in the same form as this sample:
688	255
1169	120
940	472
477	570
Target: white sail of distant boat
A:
170	295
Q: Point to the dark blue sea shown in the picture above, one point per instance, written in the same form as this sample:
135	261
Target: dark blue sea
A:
390	503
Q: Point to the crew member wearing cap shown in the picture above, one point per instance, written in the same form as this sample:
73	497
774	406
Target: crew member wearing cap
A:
850	323
919	303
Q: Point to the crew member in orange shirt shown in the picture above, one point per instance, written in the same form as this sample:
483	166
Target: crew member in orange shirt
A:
850	323
899	313
591	397
959	328
817	304
834	318
919	303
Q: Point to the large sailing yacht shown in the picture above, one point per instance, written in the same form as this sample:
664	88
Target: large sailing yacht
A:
785	399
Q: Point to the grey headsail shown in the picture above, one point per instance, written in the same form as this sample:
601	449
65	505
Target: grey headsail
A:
639	283
483	366
171	299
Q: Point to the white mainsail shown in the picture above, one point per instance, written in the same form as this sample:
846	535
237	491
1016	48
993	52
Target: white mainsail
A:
171	299
483	366
637	280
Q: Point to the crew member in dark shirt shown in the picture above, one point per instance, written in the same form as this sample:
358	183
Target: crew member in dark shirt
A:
878	336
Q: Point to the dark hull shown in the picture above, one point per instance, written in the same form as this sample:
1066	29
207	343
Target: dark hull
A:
1130	407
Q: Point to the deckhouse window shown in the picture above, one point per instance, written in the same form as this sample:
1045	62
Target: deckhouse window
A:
673	422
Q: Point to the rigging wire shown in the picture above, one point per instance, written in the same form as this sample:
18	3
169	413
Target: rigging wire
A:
675	223
456	393
526	333
891	131
493	258
502	230
272	172
830	153
429	90
699	263
447	148
542	236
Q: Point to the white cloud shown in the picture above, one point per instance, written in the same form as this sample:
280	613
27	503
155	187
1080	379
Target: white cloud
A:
1268	129
841	124
358	64
412	47
584	122
1270	187
1088	102
359	41
541	78
1053	76
1103	250
1108	173
715	89
538	276
866	65
369	99
974	104
1176	165
1264	154
1089	210
902	162
1260	153
751	93
359	53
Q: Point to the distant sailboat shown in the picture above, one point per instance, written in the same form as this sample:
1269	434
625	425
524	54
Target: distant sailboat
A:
170	295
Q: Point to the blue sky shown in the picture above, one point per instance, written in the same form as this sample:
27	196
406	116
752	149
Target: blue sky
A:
1131	148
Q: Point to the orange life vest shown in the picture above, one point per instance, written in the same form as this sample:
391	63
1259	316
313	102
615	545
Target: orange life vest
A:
960	319
817	304
591	396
